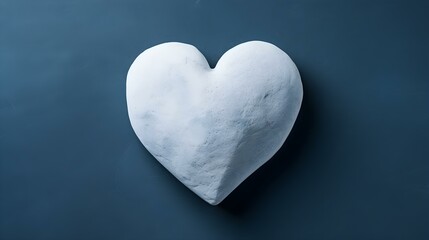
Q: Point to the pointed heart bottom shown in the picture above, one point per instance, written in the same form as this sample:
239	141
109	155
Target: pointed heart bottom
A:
212	128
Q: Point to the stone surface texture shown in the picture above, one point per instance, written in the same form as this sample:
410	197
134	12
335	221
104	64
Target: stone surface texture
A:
212	128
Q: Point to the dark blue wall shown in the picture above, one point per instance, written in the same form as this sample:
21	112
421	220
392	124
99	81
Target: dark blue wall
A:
356	165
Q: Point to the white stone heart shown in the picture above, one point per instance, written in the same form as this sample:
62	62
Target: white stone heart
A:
212	128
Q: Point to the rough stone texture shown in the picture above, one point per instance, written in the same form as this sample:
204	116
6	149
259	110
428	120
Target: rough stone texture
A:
211	128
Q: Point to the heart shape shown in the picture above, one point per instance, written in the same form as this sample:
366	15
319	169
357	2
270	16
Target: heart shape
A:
212	128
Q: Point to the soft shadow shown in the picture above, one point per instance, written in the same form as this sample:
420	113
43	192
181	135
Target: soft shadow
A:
283	162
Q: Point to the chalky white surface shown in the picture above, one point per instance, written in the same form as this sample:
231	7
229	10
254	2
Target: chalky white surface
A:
212	128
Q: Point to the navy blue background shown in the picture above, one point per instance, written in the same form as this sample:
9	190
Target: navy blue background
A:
356	165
